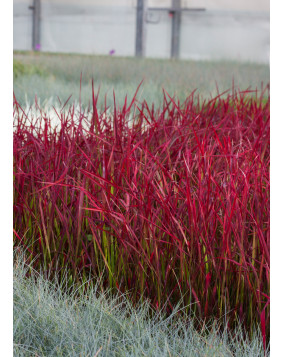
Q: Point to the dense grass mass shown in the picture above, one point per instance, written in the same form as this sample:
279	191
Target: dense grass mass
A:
49	75
166	204
50	321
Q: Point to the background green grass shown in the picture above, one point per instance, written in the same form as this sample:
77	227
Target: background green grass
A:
50	75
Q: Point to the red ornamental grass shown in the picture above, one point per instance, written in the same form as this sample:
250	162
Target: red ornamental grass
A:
165	203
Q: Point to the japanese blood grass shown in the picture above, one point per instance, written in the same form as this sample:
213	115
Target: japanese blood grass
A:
52	319
172	203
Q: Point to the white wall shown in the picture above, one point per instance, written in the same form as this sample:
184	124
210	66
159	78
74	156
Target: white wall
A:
92	29
241	36
234	30
22	25
229	5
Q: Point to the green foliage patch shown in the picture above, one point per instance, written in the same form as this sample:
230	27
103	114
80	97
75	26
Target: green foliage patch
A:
23	69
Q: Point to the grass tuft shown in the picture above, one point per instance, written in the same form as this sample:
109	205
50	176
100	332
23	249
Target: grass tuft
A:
52	320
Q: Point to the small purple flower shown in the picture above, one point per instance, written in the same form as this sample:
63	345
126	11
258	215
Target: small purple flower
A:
37	47
111	52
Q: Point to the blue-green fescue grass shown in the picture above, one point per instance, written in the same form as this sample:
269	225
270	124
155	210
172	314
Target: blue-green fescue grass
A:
51	320
49	75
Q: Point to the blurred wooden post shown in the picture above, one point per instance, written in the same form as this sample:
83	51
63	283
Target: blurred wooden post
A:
176	25
175	11
140	28
36	7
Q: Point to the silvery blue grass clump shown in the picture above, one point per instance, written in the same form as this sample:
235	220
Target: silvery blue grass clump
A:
51	320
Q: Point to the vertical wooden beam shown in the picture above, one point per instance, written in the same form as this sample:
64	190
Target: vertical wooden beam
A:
176	25
140	28
36	25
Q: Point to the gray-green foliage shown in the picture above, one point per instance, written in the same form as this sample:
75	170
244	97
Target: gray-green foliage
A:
50	320
62	74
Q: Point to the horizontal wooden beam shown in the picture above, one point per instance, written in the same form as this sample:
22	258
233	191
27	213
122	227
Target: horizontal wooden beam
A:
172	9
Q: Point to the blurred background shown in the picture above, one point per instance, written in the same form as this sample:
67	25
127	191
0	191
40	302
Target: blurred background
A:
179	45
209	29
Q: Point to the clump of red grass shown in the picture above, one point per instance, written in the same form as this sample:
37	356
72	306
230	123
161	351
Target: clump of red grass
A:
167	203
